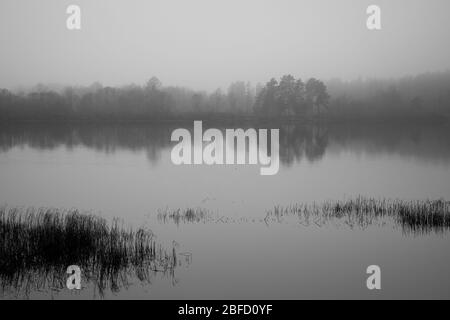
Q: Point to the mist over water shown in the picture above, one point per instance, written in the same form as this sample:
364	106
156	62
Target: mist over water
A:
130	176
317	163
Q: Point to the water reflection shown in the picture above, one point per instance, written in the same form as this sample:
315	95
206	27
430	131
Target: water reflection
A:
103	138
303	142
346	161
297	142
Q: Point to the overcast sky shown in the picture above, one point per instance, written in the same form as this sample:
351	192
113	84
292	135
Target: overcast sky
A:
205	44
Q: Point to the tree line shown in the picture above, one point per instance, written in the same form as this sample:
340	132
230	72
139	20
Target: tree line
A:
421	97
286	98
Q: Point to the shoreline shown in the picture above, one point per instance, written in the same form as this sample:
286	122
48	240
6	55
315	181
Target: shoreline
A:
236	119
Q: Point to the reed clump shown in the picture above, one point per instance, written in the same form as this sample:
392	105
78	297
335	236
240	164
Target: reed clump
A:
37	245
189	215
413	216
425	216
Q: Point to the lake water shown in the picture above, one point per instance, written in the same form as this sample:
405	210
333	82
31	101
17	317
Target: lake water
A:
125	171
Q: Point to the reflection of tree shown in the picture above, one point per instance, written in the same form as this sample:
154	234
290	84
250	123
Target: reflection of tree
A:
296	142
105	138
299	141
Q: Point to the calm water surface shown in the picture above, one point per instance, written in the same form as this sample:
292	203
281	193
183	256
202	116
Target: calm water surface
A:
125	171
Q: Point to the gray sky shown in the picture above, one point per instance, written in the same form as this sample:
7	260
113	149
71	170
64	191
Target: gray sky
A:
205	44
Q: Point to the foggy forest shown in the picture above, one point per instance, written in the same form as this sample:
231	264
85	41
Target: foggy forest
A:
422	97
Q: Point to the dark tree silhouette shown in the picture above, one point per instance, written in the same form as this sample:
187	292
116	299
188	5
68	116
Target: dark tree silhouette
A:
316	95
292	97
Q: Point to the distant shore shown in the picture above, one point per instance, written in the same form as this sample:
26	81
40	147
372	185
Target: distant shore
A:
239	119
